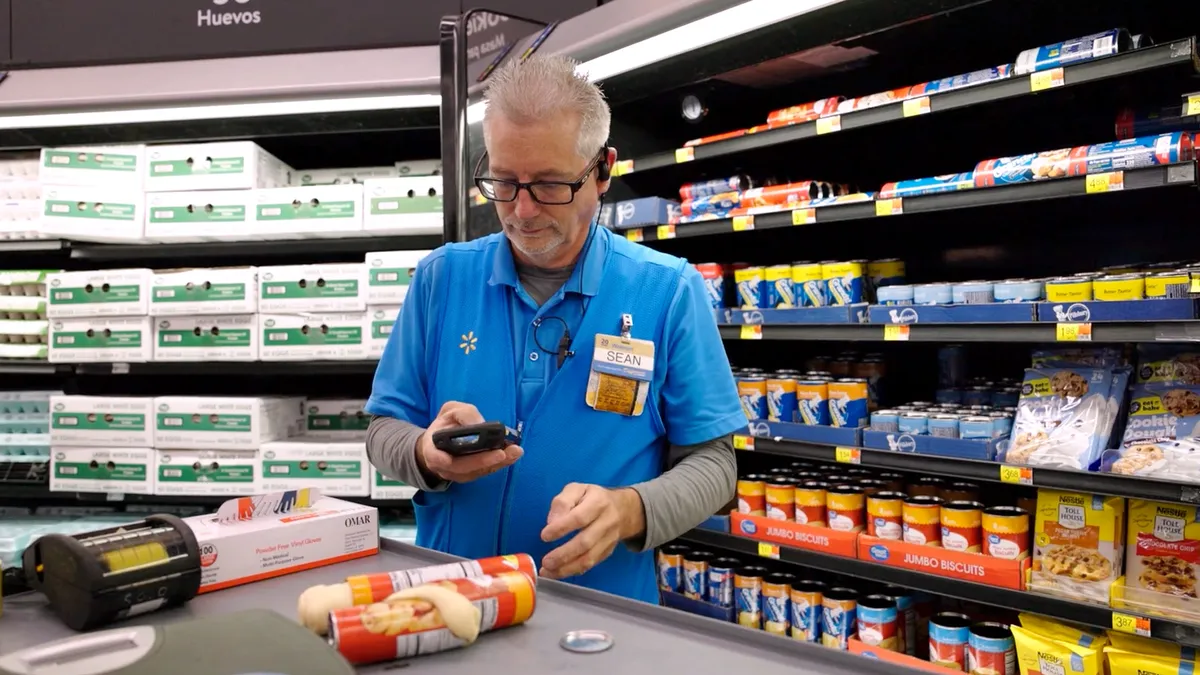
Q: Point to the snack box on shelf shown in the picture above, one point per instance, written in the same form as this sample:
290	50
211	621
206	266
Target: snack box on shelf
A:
799	315
640	212
995	312
958	448
683	603
806	433
1119	310
943	562
795	535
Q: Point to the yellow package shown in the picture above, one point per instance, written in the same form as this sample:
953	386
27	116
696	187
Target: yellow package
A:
1121	662
1151	647
1041	655
1063	632
1163	558
1078	544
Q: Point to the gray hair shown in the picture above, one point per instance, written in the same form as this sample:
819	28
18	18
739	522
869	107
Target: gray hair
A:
545	85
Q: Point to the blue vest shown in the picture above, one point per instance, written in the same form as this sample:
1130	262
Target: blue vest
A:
565	441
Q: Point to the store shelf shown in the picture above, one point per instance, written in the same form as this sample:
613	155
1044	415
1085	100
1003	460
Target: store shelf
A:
1168	175
1170	55
16	367
217	250
1112	331
973	470
1098	616
11	246
265	368
39	493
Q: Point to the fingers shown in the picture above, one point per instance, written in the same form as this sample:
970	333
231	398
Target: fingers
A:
470	467
457	414
597	537
566	500
582	563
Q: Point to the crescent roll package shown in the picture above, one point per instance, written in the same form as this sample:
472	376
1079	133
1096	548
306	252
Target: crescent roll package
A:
1066	415
1079	544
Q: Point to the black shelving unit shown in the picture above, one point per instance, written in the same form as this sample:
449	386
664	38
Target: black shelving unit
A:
249	368
1031	332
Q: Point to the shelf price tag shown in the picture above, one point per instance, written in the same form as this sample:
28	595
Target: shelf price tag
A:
766	550
1193	105
847	455
752	332
622	168
115	497
1073	332
1046	79
1127	623
743	223
889	207
916	106
895	332
804	216
1017	475
665	232
1195	287
828	125
684	155
743	442
1112	181
635	234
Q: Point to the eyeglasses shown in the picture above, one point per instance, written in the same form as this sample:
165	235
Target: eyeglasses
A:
545	192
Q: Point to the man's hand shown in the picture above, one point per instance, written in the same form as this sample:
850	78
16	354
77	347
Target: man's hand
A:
603	519
468	467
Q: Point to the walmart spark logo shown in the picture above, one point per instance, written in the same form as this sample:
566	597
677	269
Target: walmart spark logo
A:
468	342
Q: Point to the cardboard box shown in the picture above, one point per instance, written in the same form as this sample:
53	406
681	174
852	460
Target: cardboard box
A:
101	340
107	470
215	215
98	293
237	165
102	421
334	467
343	176
207	473
419	167
410	205
26	402
94	165
20	218
389	274
221	422
240	551
101	214
309	211
206	338
336	419
379	324
312	288
383	487
312	337
232	290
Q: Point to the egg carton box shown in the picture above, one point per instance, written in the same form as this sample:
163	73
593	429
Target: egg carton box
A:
411	205
383	487
107	470
221	422
229	290
101	340
24	282
389	274
206	473
93	165
99	293
312	337
24	332
20	218
336	419
102	421
26	402
206	338
21	169
337	468
419	167
307	212
236	165
101	214
213	215
22	307
343	176
312	288
378	327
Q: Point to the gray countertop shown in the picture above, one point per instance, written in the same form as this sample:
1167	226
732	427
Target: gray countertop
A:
646	638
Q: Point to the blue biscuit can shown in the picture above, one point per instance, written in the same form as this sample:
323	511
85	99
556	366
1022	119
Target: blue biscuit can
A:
714	282
747	595
943	425
895	295
807	611
1019	290
928	186
844	282
720	581
975	427
848	403
753	393
751	287
916	423
965	80
808	286
972	293
1002	423
839	617
932	294
780	293
670	567
991	649
885	420
812	401
1067	52
886	272
1133	153
781	398
948	636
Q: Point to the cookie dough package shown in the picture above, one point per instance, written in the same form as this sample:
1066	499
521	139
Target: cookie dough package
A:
1161	434
1168	364
1162	556
1065	416
1040	654
1078	544
1077	357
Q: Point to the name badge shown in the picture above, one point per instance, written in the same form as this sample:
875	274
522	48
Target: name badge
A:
622	369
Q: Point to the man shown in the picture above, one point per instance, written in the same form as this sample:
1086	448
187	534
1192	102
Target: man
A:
521	327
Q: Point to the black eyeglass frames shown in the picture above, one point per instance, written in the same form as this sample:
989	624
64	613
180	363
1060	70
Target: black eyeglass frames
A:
545	192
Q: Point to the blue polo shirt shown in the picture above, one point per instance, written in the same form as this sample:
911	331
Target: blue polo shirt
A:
467	333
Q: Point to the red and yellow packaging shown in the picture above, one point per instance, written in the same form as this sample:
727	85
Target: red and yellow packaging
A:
1162	557
1079	544
781	498
845	506
752	495
1006	532
810	503
400	628
923	520
885	515
368	588
961	526
805	112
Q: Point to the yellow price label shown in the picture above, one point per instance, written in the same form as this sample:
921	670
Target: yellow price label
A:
804	216
684	155
1073	332
889	207
1195	288
635	234
1046	79
828	125
743	442
665	232
916	106
766	550
752	332
1134	625
896	332
622	168
1017	475
1193	105
479	199
1111	181
743	223
847	455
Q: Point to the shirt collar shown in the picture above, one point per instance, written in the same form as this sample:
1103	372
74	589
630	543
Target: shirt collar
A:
584	279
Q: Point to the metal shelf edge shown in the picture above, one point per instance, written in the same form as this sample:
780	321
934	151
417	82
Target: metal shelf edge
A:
1033	332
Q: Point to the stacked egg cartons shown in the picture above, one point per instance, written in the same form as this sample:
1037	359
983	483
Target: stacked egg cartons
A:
23	324
20	199
24	437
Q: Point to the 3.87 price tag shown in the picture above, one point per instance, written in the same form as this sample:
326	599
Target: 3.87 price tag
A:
1134	625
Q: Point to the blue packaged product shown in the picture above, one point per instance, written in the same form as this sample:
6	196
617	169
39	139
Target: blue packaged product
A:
949	395
716	186
839	617
780	293
808	286
972	293
895	295
932	294
914	423
975	427
971	79
752	390
1019	290
1067	52
1133	153
1133	123
1006	397
844	282
977	396
885	420
751	287
807	612
933	185
886	272
1001	424
720	581
848	403
718	203
781	398
1065	416
944	425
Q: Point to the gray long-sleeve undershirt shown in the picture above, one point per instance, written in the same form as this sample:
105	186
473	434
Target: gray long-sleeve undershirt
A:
699	479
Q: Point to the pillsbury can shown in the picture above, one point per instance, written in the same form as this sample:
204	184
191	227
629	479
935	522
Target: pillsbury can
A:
777	594
916	423
840	617
943	425
848	403
1071	51
975	427
695	574
747	589
808	286
670	567
885	420
812	402
844	282
753	393
751	287
781	399
720	581
807	612
780	294
714	282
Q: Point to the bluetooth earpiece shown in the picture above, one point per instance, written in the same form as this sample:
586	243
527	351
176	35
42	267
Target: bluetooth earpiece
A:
603	170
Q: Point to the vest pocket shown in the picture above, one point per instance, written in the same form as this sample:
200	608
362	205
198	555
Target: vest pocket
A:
433	511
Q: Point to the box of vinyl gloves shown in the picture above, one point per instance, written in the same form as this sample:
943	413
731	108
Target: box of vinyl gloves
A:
206	338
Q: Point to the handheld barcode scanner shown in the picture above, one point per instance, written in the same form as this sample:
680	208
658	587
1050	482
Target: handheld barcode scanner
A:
474	438
94	578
